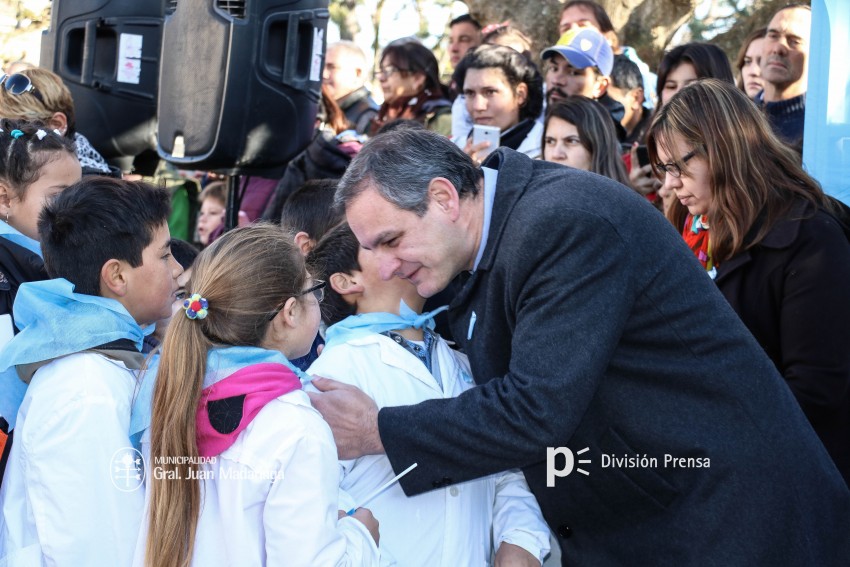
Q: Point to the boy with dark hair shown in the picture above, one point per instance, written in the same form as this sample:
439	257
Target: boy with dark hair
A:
309	212
72	492
380	342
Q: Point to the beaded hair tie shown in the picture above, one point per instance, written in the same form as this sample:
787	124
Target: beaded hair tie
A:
196	307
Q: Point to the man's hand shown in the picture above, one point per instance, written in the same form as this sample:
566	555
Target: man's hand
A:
352	415
510	555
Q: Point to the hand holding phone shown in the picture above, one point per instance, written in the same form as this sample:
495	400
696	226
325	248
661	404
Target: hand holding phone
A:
482	133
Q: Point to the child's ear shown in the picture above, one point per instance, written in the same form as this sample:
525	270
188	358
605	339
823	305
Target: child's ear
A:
345	284
304	242
113	279
59	122
5	200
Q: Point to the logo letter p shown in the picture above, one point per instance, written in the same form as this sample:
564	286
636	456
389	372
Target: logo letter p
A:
551	471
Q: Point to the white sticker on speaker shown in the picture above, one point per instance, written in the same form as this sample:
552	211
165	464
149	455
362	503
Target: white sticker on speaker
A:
129	58
316	67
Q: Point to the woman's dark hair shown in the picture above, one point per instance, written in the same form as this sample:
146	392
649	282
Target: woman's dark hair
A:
709	62
413	57
517	69
596	132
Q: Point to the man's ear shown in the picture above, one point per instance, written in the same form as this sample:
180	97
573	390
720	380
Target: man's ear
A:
59	121
601	86
443	194
304	242
113	279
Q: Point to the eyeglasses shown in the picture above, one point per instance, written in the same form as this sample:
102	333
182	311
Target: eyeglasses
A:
317	289
673	168
385	72
19	84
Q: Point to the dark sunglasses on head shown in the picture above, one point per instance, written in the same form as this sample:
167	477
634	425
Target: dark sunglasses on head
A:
19	84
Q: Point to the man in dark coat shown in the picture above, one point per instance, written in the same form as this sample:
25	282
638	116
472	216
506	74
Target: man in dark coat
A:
597	341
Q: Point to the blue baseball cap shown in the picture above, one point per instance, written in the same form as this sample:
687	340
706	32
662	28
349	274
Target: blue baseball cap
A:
583	47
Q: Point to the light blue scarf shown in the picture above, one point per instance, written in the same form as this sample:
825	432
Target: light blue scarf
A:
221	363
54	321
357	326
11	234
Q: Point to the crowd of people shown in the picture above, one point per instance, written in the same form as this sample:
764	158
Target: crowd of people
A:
560	253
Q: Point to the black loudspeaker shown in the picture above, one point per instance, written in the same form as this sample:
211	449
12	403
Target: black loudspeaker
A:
107	53
240	82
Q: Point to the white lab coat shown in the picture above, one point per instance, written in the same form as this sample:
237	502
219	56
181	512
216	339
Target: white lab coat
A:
446	527
270	499
61	504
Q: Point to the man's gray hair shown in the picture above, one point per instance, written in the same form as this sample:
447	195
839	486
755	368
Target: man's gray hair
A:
400	164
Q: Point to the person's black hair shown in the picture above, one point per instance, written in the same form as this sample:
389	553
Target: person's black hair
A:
465	19
709	61
23	156
310	209
95	220
625	74
517	69
184	252
335	253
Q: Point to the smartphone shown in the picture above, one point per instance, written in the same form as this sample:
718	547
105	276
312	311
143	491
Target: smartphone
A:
642	155
482	133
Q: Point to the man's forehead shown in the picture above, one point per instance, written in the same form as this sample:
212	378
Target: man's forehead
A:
577	14
796	20
463	28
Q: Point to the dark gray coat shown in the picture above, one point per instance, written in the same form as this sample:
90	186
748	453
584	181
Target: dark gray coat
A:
596	327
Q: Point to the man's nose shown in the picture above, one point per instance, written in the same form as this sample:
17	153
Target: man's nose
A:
387	268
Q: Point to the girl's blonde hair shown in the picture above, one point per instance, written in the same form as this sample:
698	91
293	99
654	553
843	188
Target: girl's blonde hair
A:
244	275
53	96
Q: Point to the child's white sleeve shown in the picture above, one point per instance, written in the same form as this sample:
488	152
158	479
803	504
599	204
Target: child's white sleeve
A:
517	518
300	515
82	513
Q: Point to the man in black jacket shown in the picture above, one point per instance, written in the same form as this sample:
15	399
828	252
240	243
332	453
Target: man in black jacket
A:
344	76
650	425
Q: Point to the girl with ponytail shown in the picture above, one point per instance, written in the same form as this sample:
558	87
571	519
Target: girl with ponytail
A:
242	469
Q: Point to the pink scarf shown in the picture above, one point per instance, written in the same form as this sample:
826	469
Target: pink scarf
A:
259	384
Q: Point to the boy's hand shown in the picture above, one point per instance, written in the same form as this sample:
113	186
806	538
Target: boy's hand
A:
510	555
365	517
352	415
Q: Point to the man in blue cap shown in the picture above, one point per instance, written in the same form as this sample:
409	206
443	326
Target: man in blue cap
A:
580	64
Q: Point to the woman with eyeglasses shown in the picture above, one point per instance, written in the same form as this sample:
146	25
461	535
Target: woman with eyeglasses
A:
680	67
770	238
39	94
578	132
410	79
